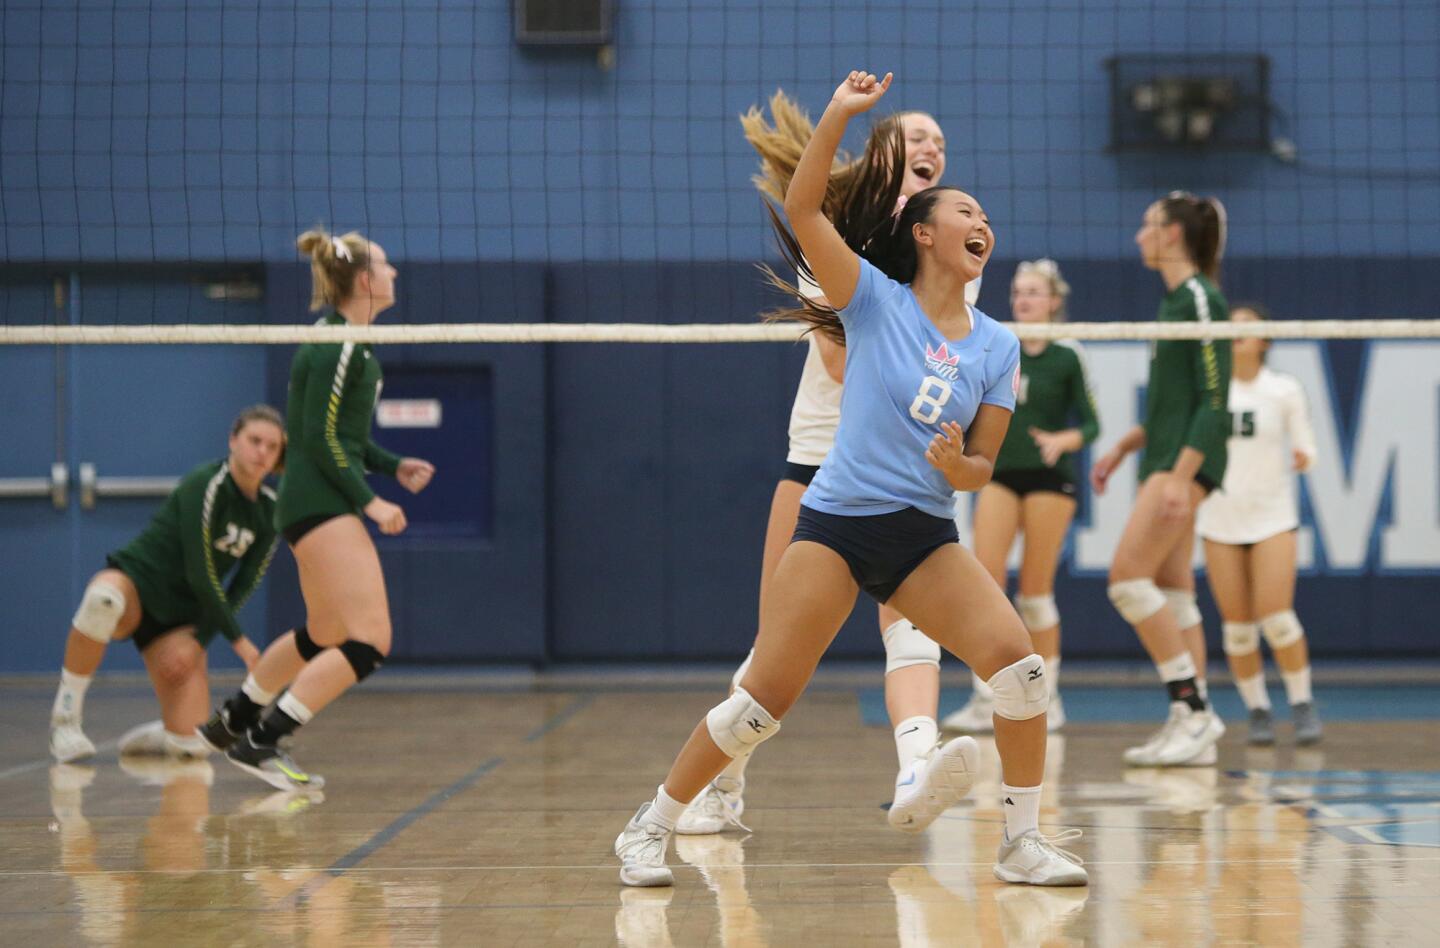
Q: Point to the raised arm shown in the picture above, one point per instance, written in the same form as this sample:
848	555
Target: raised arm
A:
836	267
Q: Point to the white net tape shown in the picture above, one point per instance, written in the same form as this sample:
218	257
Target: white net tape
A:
692	333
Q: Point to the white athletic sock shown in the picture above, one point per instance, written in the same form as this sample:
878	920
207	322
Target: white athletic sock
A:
70	697
252	690
1253	693
740	672
982	689
664	810
1297	686
1204	688
915	737
292	706
1052	674
735	770
1022	809
1179	668
185	745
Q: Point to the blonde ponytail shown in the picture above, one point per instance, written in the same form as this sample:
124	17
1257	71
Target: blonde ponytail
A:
334	262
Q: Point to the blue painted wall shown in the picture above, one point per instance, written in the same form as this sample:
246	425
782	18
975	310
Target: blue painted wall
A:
134	131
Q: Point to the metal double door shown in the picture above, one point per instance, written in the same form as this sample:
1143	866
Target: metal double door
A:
96	436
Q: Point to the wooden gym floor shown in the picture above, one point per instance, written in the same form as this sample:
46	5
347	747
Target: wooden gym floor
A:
483	814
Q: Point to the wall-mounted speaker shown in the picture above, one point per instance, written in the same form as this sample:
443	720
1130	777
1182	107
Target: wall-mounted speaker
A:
564	22
1189	102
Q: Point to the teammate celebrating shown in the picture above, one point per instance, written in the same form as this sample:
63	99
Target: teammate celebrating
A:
929	388
1186	424
1033	490
1249	532
165	591
912	659
333	389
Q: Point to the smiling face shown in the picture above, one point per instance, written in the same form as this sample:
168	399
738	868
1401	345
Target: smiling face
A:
924	152
1032	300
956	234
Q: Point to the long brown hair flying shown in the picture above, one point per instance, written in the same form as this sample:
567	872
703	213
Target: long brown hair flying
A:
860	201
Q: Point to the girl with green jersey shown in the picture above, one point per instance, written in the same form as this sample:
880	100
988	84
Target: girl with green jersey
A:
1033	490
1184	436
166	592
332	395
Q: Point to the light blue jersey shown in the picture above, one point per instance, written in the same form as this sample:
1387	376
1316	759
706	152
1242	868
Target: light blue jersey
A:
902	380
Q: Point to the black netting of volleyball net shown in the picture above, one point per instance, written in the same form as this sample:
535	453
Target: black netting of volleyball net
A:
157	160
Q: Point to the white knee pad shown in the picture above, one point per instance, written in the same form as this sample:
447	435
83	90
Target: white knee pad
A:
1136	599
739	675
1037	612
739	723
1021	691
101	609
1240	638
1282	629
1182	603
906	645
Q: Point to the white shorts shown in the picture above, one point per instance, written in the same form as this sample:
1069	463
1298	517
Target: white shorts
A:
1240	521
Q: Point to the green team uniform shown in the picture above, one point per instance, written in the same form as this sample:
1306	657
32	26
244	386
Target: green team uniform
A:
1185	403
333	390
1054	388
178	564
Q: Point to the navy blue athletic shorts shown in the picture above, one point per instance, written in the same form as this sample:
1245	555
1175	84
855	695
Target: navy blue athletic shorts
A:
881	550
1045	480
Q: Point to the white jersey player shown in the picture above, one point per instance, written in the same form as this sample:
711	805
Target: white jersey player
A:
1271	439
1249	531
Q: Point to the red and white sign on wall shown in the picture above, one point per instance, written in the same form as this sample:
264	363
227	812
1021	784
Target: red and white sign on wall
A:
408	413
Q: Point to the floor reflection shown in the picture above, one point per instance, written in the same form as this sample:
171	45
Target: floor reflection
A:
190	861
1329	846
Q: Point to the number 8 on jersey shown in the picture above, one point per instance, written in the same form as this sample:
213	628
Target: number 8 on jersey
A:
934	393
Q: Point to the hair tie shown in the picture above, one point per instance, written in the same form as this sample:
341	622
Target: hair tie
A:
341	250
900	203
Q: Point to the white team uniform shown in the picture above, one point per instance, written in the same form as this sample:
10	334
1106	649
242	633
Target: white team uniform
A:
1270	417
816	412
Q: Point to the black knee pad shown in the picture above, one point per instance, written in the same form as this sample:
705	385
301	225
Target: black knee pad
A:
363	657
305	645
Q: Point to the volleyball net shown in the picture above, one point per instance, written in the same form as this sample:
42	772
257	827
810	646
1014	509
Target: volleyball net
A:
1350	329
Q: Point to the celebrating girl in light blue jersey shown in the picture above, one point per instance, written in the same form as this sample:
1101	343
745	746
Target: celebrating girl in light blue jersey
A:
904	379
929	389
